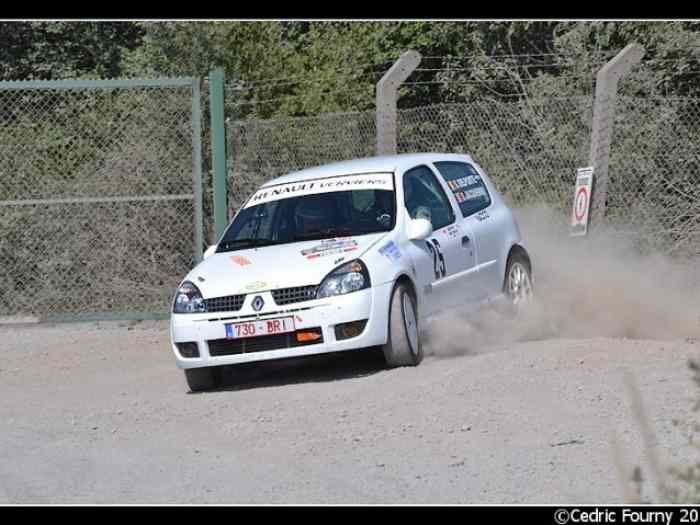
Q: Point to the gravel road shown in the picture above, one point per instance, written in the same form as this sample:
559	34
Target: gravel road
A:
98	413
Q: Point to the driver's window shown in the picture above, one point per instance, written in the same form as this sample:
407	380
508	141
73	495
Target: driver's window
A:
424	198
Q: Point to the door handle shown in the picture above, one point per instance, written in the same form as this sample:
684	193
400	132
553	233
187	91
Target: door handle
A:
465	240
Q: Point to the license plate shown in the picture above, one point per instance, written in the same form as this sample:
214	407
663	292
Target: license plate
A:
257	328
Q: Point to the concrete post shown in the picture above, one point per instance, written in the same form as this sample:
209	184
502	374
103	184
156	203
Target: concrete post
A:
387	96
603	120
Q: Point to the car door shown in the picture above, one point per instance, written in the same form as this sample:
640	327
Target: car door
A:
442	260
482	214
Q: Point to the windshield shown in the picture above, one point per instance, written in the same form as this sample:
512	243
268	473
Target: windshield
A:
311	216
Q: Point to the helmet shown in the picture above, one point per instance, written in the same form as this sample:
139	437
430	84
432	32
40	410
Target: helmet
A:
312	214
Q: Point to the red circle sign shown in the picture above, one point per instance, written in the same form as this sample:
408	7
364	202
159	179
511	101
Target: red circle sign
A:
580	203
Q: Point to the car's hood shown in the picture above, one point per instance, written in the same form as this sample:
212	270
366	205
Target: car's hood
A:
272	267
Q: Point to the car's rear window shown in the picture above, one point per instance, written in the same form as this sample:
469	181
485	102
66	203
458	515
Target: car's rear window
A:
466	184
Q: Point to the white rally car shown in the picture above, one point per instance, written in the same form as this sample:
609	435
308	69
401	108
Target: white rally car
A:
348	256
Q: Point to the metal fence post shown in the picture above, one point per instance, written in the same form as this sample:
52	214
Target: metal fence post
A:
218	150
197	167
603	120
387	96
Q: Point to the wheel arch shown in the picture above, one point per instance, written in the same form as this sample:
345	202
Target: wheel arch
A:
403	278
519	250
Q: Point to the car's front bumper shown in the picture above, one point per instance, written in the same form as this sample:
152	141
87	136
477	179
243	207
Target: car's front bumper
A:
371	304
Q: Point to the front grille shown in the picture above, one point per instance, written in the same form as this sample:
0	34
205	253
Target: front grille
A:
296	294
229	303
219	347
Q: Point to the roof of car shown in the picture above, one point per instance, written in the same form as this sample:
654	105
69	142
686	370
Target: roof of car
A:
379	164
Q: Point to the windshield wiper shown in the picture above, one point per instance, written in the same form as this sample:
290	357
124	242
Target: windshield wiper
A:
244	243
328	232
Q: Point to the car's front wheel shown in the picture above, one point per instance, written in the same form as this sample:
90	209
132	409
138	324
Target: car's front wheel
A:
204	378
403	346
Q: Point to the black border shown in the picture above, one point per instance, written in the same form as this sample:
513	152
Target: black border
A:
198	513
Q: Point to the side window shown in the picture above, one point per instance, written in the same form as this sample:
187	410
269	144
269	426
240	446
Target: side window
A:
466	184
424	197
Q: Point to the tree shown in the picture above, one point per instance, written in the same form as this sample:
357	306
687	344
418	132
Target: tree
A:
56	50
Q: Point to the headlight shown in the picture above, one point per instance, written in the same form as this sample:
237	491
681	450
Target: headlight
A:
188	300
347	278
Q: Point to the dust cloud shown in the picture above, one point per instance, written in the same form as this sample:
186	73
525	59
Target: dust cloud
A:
597	286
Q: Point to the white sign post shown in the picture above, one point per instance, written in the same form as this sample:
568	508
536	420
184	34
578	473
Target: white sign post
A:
582	201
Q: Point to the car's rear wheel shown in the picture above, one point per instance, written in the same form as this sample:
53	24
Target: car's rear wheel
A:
204	378
403	346
517	285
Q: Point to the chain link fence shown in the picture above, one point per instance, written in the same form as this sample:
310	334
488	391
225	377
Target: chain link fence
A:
260	150
97	203
530	146
100	212
654	181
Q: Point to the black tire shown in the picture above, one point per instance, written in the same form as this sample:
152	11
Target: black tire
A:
204	378
518	296
398	350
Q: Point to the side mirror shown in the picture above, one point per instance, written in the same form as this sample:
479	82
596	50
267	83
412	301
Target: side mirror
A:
209	251
419	229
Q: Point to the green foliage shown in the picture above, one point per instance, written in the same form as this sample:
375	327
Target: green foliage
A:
324	67
57	50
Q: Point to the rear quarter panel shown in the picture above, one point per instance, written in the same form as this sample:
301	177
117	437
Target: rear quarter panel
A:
499	232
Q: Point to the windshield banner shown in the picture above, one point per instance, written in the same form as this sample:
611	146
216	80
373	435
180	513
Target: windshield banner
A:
365	181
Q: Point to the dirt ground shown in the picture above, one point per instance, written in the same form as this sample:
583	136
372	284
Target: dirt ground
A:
98	413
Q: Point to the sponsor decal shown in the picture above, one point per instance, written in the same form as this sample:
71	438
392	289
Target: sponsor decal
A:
482	216
372	181
463	182
451	231
255	286
390	251
240	260
475	193
330	247
468	195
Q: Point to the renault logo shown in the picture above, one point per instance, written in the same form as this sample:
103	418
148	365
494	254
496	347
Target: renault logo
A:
258	303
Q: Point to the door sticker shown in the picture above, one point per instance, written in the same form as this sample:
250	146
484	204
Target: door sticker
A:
438	258
390	251
482	216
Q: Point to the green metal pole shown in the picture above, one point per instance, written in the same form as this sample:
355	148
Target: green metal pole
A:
197	167
218	150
